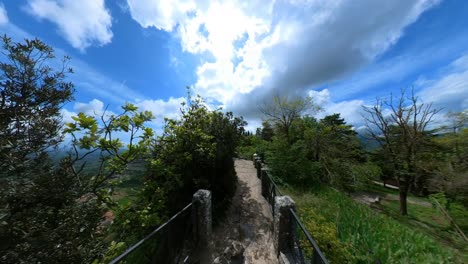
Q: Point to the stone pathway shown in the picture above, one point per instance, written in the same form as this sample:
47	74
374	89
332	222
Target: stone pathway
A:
246	235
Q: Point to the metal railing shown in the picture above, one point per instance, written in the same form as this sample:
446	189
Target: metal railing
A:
310	253
171	242
301	253
269	189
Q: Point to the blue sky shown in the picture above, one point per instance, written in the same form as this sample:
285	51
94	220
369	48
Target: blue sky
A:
237	54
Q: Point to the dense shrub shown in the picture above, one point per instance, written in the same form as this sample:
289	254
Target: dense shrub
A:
194	152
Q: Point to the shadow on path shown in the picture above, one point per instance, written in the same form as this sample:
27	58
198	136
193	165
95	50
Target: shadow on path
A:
246	234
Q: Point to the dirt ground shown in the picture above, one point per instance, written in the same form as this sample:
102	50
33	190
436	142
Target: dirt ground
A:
246	235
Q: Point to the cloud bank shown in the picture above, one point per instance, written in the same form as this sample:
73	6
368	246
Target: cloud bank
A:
252	50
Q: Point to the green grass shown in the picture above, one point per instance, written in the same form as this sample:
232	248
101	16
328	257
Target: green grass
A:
370	235
427	219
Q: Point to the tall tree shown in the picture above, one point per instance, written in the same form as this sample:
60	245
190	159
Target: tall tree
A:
32	93
399	125
266	132
283	111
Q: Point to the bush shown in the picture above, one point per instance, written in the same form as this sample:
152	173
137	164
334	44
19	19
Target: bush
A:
326	236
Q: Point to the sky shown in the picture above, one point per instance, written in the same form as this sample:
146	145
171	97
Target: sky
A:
238	54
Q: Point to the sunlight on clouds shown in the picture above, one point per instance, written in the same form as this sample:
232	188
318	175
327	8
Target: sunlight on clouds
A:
82	23
250	50
214	30
159	14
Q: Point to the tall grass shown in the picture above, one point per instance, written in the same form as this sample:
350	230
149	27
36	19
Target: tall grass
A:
371	236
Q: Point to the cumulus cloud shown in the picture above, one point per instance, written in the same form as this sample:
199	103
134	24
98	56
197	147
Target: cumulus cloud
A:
3	15
161	108
82	23
251	50
67	115
93	107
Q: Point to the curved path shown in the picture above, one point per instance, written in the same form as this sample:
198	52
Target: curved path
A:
246	234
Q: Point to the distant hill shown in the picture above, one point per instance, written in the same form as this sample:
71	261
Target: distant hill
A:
368	143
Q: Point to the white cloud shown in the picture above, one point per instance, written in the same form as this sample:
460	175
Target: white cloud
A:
83	23
92	108
450	90
67	115
251	49
86	77
160	14
161	108
350	110
3	15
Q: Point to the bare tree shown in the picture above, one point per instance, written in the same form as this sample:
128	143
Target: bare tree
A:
399	125
283	111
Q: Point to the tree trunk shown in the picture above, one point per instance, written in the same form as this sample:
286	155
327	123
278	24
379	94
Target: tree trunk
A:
403	207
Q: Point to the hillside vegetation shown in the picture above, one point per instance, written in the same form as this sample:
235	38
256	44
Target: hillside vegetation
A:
323	165
118	180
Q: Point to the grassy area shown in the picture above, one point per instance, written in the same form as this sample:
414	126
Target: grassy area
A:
425	217
366	235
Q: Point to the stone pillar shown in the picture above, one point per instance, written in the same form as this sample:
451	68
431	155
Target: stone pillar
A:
264	182
255	156
283	233
259	168
202	217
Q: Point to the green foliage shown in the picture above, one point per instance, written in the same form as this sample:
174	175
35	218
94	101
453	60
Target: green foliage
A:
326	236
32	94
45	215
290	163
266	132
282	112
371	236
56	216
95	135
51	221
314	153
449	166
194	152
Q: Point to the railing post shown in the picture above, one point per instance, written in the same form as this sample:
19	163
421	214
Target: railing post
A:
283	233
202	217
259	168
264	182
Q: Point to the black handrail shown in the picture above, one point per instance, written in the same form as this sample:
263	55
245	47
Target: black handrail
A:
272	190
139	243
317	255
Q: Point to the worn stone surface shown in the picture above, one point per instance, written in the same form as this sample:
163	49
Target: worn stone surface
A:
202	216
245	235
283	234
